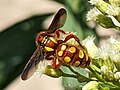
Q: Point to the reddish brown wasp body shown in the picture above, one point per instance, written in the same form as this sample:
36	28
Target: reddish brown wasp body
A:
51	47
72	55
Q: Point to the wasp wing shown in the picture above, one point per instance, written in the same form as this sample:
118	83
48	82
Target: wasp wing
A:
30	67
58	20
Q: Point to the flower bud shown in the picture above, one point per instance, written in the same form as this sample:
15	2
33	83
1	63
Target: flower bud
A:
114	51
113	10
44	67
109	63
104	21
114	43
55	73
107	73
103	55
115	2
117	76
92	85
100	4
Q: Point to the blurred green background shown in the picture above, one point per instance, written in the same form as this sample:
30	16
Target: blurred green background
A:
17	42
16	45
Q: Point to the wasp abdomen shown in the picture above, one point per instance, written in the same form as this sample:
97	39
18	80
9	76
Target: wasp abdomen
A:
72	55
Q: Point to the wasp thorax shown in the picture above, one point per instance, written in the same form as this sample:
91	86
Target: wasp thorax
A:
47	42
50	43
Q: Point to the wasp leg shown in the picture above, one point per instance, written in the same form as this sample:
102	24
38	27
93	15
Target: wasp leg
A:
55	65
57	33
72	36
49	56
60	41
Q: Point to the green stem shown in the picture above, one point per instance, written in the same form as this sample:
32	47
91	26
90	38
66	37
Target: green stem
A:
95	68
118	28
99	77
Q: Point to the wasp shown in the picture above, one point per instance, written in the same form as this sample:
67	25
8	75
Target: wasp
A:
51	47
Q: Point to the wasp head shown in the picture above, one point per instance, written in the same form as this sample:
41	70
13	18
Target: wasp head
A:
41	38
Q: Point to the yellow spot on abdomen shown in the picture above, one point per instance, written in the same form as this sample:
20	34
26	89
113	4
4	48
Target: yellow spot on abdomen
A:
53	39
63	47
77	63
72	49
60	53
49	49
81	54
67	59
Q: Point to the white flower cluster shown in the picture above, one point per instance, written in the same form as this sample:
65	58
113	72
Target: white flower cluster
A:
113	10
105	14
107	73
111	49
92	14
109	55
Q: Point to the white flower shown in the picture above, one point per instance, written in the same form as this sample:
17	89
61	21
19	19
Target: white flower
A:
112	40
114	45
107	73
90	46
103	52
104	69
113	10
111	50
92	14
42	66
93	2
117	75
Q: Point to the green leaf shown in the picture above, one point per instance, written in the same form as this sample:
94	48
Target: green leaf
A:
71	84
17	44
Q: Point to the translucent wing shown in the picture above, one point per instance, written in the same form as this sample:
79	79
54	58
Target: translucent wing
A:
30	67
58	20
